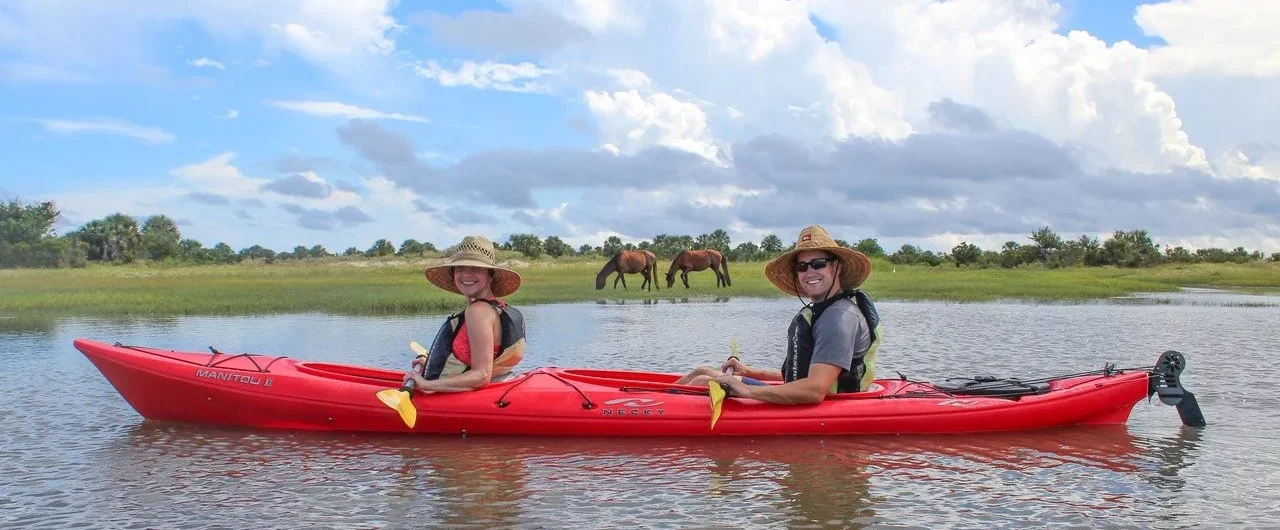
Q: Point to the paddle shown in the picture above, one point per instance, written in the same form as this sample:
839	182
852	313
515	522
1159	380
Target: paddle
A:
401	399
718	392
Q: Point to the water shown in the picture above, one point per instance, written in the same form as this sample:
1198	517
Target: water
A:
73	454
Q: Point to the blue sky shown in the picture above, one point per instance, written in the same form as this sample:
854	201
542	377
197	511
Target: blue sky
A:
911	122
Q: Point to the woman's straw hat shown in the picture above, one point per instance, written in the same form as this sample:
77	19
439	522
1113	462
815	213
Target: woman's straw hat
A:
474	251
854	265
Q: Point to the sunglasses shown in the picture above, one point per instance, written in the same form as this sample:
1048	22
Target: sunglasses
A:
815	264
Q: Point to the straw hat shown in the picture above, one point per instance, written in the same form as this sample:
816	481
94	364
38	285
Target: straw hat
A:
854	265
474	251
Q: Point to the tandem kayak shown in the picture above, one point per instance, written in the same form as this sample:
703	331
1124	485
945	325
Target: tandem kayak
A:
274	392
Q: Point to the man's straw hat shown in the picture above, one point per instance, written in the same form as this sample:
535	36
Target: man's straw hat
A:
854	265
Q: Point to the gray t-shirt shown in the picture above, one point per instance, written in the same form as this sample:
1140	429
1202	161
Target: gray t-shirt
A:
838	327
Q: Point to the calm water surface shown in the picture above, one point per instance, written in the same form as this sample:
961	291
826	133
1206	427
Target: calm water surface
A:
73	454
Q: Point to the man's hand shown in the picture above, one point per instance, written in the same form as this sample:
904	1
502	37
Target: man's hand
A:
733	385
733	366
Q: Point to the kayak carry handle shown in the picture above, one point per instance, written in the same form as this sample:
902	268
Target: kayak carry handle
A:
1165	382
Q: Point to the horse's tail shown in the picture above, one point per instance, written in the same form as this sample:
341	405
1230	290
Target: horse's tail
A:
609	267
651	260
724	262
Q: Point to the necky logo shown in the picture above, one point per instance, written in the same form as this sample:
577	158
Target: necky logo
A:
634	402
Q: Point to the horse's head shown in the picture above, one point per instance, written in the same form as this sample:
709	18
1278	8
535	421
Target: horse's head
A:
605	271
671	278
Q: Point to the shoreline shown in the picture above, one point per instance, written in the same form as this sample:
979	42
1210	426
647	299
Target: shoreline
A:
396	287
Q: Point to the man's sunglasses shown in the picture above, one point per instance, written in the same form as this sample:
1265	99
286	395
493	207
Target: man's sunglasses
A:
816	264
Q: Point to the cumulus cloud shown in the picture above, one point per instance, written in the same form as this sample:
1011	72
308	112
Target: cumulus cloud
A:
629	122
1213	37
218	175
520	77
205	62
151	135
343	110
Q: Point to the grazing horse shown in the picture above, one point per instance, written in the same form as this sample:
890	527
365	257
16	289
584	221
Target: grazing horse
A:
699	260
629	262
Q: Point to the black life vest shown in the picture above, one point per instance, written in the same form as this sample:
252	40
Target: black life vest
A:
442	362
856	377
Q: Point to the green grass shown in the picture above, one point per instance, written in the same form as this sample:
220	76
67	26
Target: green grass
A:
398	287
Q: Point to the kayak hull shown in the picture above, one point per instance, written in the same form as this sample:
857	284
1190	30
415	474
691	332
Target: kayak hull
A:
259	391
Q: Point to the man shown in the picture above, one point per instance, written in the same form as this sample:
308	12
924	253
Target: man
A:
830	347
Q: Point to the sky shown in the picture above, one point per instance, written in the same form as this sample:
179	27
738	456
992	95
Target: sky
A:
918	122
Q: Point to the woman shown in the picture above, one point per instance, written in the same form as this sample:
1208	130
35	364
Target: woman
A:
485	341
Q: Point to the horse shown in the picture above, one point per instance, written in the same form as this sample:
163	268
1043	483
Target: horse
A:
629	262
699	260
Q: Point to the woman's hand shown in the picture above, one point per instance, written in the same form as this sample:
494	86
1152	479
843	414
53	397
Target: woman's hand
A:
419	382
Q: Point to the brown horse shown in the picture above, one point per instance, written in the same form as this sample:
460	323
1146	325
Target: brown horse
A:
699	260
630	262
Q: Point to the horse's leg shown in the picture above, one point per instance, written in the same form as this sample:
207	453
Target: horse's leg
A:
645	284
684	276
616	278
624	280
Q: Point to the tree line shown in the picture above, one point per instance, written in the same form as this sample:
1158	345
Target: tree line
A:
27	239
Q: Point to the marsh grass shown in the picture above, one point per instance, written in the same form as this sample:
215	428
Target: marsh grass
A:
397	286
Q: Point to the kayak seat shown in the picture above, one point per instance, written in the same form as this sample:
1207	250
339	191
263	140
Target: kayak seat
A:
991	386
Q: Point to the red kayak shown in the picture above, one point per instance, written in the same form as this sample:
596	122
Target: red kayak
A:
261	391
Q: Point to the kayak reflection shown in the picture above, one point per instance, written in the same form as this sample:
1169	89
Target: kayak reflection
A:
173	474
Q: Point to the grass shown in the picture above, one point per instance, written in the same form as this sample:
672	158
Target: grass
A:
398	287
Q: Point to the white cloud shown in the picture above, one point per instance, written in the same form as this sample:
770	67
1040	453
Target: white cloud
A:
151	135
522	77
230	115
630	79
629	122
1007	58
1213	37
206	62
1237	164
218	175
261	63
335	108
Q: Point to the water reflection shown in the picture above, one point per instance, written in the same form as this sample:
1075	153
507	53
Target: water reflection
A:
656	301
1173	455
306	479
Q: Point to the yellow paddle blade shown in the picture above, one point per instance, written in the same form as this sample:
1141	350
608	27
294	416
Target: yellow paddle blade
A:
418	349
717	401
401	402
733	347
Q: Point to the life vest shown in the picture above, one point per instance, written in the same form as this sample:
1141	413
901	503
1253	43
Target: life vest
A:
800	344
442	362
